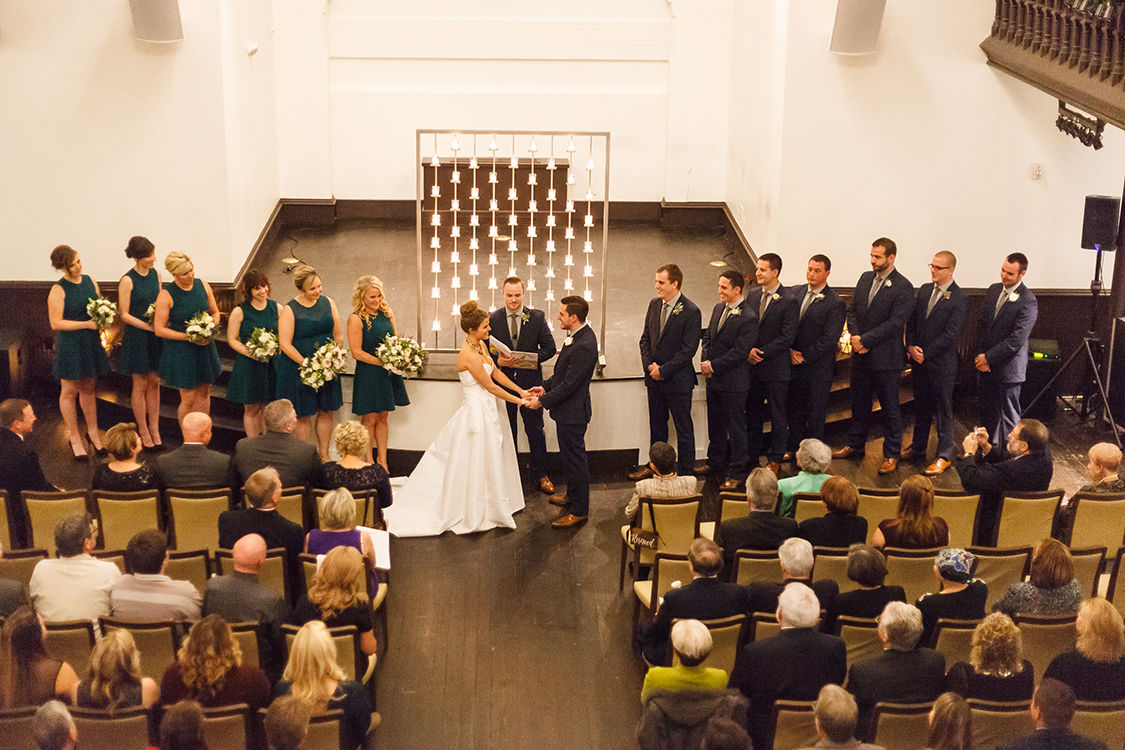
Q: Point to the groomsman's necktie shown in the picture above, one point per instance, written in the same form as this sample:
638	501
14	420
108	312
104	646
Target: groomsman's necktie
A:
806	303
933	300
722	320
515	327
763	304
1000	302
664	317
876	285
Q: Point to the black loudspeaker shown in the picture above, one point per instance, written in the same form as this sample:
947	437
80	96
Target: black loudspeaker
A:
157	20
856	30
1099	222
1042	364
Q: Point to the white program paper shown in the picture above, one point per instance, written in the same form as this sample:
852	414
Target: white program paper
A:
381	541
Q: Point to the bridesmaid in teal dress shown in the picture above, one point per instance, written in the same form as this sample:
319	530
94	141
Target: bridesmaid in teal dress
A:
375	391
139	354
303	326
188	367
79	356
252	381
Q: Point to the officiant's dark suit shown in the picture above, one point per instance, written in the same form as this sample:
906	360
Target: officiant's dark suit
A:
769	379
817	339
534	336
1002	339
726	348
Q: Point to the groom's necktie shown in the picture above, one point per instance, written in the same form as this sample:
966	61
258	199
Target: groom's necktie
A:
515	327
664	317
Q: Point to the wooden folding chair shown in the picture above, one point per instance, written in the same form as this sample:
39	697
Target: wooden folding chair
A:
793	725
124	728
676	526
666	569
72	642
996	723
1044	638
123	514
876	505
861	636
272	574
1087	568
832	563
195	517
189	565
1101	721
1099	520
808	505
19	564
46	510
157	643
1000	568
1026	517
954	638
913	569
897	726
753	565
960	513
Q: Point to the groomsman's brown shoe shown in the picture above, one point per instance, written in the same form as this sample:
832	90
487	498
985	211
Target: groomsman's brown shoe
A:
569	520
545	486
888	465
788	457
559	500
847	452
644	472
937	467
731	485
703	469
909	453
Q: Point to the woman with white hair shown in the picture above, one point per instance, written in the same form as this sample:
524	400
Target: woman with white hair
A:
691	642
813	458
337	529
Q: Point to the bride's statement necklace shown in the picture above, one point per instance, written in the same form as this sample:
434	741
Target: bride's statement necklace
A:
477	347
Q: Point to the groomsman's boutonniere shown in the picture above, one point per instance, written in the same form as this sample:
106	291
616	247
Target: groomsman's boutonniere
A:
776	297
887	283
1013	297
735	311
568	340
946	294
818	297
525	317
679	308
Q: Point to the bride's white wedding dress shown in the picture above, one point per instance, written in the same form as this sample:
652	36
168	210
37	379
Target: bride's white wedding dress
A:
469	479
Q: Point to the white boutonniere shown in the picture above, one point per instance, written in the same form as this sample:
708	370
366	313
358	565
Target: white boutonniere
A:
679	308
568	341
1013	297
818	296
887	283
525	317
776	297
735	311
947	294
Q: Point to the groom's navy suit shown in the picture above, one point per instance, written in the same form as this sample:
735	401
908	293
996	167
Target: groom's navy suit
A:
534	336
727	348
672	350
567	397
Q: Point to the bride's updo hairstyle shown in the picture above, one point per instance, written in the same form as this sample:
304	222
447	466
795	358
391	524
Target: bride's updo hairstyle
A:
472	316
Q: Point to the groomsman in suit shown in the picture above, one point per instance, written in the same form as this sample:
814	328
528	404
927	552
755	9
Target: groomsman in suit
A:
1006	320
525	330
669	341
820	321
726	345
19	467
566	394
932	334
876	319
770	362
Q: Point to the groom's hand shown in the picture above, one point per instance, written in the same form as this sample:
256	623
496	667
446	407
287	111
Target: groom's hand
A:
533	403
537	390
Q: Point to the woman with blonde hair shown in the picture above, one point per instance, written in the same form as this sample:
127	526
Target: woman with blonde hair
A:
352	471
375	391
28	676
188	366
1051	589
305	324
338	597
951	724
79	356
252	381
139	355
338	529
124	473
996	670
114	680
209	669
1095	669
914	525
313	675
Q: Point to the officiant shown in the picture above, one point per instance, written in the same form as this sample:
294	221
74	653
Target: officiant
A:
524	331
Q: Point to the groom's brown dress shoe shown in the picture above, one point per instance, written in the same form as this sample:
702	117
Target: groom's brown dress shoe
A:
645	472
569	520
545	486
559	500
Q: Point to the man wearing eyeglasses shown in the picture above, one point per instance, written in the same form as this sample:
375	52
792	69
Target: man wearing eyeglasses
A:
932	333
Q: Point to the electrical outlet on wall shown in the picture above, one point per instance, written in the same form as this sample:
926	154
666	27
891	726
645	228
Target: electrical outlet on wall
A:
1036	171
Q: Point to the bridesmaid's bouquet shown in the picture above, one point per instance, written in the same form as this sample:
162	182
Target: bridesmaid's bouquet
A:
150	313
102	312
402	355
262	344
325	364
200	328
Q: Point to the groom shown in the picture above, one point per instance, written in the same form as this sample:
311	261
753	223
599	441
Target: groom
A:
566	394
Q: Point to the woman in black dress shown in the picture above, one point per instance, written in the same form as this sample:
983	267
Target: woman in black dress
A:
841	527
868	568
353	442
959	595
338	597
1095	669
996	670
123	473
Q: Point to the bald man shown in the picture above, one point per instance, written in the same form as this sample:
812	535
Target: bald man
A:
193	465
1105	469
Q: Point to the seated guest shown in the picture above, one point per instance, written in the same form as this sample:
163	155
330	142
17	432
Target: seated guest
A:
287	723
761	530
13	594
996	670
951	725
54	728
76	586
665	483
337	529
19	466
114	680
725	734
1024	467
796	556
209	669
693	719
840	527
123	473
959	595
146	594
239	597
352	471
182	727
296	461
691	641
868	568
1052	709
28	676
1104	467
914	525
263	492
903	673
338	597
836	716
793	665
313	675
813	458
1095	669
1052	588
705	598
194	466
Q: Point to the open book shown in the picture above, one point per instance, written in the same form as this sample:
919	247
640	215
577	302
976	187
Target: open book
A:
524	360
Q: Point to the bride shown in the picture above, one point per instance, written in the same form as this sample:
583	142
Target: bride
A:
468	480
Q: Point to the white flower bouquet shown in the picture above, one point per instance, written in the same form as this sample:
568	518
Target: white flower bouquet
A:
200	328
402	355
150	313
102	312
262	344
325	364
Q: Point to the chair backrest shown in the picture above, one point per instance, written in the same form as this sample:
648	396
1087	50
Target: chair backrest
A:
1087	568
960	514
762	625
345	638
727	639
666	570
752	565
19	564
291	505
794	725
1000	568
123	514
115	556
271	575
861	636
308	568
1116	591
898	726
156	643
1101	721
1099	520
195	517
954	638
677	524
876	506
808	505
913	569
46	509
189	565
125	728
364	506
1026	517
246	635
995	723
71	642
226	726
17	728
832	563
1044	638
325	730
733	505
5	532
